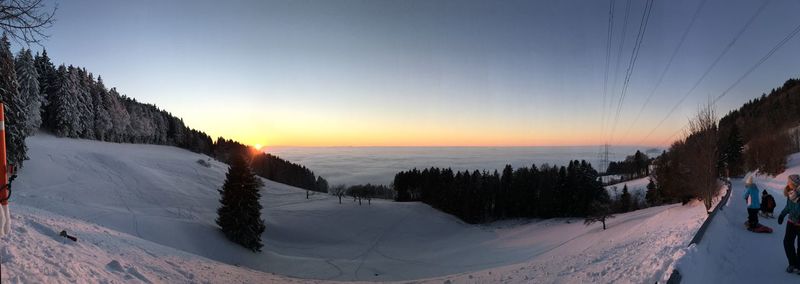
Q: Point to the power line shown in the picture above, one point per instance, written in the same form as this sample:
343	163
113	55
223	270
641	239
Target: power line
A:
608	59
666	68
603	156
632	62
619	50
750	70
711	67
760	61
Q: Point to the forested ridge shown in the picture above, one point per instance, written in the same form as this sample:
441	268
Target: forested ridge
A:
70	101
531	192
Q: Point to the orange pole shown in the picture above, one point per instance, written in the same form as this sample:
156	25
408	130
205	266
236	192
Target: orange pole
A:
3	162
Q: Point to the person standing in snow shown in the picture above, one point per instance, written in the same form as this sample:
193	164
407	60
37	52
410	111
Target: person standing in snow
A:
793	224
753	203
767	204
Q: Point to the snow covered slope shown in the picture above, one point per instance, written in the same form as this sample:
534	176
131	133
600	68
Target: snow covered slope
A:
158	199
637	188
638	247
731	254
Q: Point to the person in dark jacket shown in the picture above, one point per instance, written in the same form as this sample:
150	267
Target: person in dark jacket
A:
767	204
793	224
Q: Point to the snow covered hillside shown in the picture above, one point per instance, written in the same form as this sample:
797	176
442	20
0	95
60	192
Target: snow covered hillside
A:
731	254
638	247
134	207
637	188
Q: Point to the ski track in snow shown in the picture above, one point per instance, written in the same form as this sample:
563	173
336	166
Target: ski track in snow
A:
148	215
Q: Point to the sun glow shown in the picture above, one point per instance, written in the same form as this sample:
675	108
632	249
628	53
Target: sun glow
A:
257	146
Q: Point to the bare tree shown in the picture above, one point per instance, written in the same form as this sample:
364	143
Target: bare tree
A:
599	211
25	20
338	191
701	139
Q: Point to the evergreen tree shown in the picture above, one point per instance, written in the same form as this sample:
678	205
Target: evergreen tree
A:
84	103
63	107
625	200
653	197
177	131
48	84
29	92
733	152
14	106
120	119
102	118
322	184
239	217
505	191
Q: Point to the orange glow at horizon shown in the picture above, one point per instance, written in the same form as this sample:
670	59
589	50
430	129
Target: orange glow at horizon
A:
281	126
411	136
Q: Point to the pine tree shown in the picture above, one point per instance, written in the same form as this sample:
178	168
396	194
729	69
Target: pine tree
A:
625	200
14	106
503	200
48	84
653	197
120	119
84	104
239	217
322	184
640	163
102	119
29	91
733	152
63	107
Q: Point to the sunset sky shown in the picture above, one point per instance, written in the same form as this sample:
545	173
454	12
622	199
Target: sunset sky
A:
422	73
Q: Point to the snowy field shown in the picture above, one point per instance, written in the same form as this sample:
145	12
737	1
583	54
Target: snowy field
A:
731	254
35	254
637	188
146	213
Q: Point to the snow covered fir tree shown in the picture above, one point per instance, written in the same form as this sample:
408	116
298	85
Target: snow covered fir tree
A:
13	105
239	217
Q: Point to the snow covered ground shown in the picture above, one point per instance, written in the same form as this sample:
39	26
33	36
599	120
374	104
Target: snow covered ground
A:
638	247
35	253
637	188
138	208
731	254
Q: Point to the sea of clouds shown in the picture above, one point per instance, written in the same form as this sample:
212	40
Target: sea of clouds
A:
378	165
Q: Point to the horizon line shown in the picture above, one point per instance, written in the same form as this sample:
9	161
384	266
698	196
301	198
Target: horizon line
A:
456	146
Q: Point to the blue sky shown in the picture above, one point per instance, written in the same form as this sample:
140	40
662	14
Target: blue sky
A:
414	73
